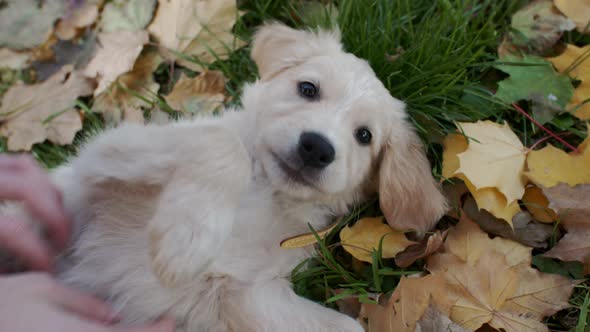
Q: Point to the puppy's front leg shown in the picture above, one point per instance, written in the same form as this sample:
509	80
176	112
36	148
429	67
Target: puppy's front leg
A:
195	212
274	306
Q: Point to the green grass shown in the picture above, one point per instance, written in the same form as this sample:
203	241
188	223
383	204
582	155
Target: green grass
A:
436	55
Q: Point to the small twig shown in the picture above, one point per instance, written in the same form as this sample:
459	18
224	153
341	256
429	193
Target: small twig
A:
518	108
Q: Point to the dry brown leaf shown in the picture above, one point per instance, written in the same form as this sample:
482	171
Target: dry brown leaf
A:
490	199
195	28
407	305
363	237
120	101
203	93
116	55
13	60
435	321
32	113
494	158
571	204
349	305
490	290
468	242
77	16
425	248
580	71
578	11
524	229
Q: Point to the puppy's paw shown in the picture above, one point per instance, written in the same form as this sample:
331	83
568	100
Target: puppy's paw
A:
175	257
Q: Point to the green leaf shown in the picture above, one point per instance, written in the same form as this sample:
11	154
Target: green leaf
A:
567	269
533	78
128	15
28	23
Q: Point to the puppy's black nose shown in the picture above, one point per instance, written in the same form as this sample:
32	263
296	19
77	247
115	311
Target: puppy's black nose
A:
315	150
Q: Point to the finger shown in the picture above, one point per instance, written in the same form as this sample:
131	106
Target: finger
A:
18	238
84	305
165	325
42	200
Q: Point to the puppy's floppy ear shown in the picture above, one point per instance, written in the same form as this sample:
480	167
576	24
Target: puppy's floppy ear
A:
277	47
408	194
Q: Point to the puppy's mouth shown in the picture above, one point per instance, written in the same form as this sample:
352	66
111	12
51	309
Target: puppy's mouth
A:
292	174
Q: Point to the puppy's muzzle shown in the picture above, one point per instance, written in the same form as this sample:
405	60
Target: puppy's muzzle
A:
315	150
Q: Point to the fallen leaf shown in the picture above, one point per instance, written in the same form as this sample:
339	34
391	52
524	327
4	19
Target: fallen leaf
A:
454	193
349	305
581	72
435	321
407	305
494	158
577	10
453	145
572	269
488	198
116	55
127	15
550	166
121	101
535	27
490	290
538	205
363	238
77	53
12	59
533	77
79	14
571	203
28	118
468	242
524	229
203	93
425	248
28	23
197	29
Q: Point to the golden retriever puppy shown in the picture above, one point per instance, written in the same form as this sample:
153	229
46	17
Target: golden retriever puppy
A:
185	219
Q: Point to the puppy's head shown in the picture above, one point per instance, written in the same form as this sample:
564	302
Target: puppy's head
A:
329	131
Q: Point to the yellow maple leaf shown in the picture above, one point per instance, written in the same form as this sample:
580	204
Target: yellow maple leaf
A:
577	10
363	237
494	158
550	166
489	199
580	71
407	305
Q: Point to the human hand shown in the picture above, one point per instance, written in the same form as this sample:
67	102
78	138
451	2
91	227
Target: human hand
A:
21	179
35	302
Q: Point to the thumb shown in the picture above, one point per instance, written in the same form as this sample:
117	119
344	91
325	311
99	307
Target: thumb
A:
165	325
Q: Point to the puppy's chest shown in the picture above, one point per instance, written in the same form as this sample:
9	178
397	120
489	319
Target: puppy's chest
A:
253	250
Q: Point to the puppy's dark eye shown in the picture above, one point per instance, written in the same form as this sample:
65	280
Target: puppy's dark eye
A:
308	90
363	136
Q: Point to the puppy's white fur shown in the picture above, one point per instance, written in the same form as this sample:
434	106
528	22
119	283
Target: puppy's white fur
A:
185	219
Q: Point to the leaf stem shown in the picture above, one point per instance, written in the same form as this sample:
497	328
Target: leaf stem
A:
518	108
